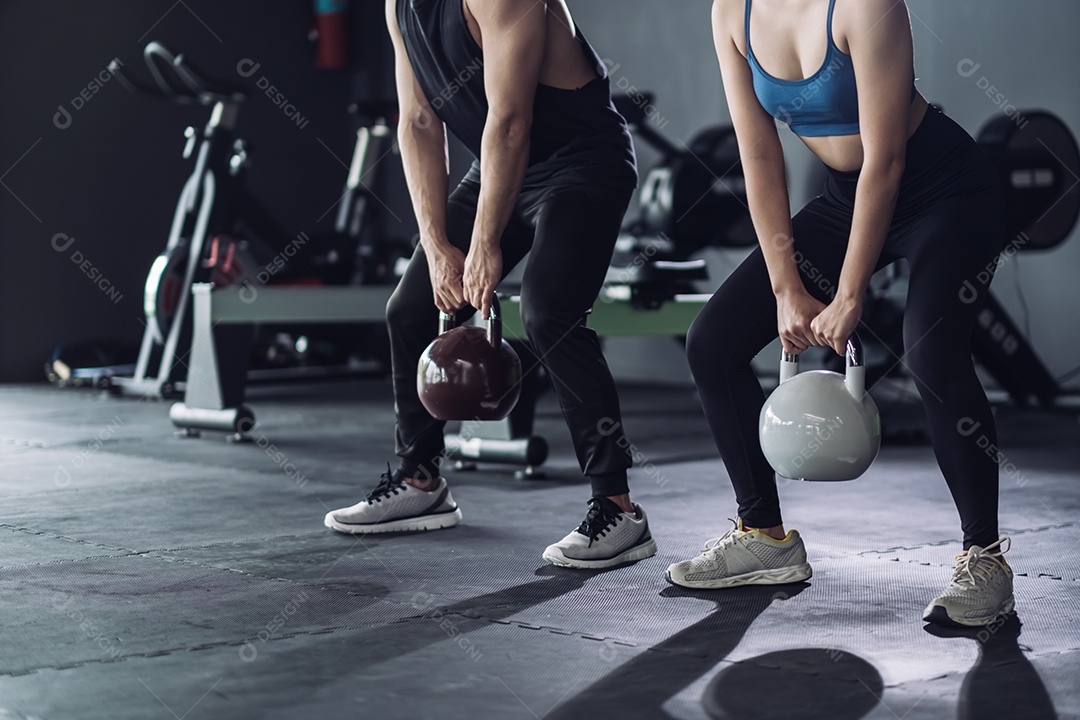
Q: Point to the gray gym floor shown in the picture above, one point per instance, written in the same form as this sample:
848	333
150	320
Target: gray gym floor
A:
149	576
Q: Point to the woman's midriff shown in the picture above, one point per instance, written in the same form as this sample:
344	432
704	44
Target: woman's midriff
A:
845	152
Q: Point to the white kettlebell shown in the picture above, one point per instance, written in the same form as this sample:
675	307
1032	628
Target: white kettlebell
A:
821	425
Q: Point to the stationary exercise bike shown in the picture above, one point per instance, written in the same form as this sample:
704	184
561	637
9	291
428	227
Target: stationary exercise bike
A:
222	234
696	194
693	198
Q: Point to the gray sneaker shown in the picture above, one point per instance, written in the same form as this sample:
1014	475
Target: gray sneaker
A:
981	590
744	557
606	537
395	506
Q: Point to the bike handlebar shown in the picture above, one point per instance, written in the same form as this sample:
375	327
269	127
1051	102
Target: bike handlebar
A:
189	86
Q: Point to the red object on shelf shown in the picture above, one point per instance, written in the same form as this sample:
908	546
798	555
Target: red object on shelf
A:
331	34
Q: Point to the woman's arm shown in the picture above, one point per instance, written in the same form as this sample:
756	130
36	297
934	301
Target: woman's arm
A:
766	187
878	34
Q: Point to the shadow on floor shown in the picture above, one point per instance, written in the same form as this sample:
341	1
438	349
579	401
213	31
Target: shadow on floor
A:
1002	683
555	582
808	683
310	667
640	686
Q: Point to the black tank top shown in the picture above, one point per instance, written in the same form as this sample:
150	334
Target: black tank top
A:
577	135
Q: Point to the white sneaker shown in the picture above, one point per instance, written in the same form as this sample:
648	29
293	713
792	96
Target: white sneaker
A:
395	506
744	557
606	537
981	590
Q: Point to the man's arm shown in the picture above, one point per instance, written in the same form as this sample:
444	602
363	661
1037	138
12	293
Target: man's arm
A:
422	140
513	38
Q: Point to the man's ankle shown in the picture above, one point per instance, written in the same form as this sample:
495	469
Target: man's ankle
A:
623	501
424	484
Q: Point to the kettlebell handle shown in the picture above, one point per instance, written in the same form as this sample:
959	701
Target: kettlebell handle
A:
789	366
854	355
448	321
854	377
494	323
855	371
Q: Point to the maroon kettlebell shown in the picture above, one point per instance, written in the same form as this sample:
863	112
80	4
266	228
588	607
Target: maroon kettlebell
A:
469	373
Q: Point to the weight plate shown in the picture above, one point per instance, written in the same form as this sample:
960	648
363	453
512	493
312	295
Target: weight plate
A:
1038	161
162	292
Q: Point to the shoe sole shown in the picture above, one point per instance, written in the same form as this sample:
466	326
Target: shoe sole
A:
779	576
638	552
413	524
938	615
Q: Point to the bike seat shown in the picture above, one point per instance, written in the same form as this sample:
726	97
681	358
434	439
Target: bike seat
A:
632	107
657	272
369	112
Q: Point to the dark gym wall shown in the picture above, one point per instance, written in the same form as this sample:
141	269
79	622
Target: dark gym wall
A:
111	177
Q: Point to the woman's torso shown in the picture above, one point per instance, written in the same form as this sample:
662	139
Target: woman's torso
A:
790	41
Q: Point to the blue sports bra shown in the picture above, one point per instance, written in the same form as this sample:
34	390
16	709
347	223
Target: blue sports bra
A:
824	104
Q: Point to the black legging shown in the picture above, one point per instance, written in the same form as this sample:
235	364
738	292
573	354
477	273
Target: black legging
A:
571	231
948	223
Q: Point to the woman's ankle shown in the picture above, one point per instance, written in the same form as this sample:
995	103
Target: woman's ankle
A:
776	532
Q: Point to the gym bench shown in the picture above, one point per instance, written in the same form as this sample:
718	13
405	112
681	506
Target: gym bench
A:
224	320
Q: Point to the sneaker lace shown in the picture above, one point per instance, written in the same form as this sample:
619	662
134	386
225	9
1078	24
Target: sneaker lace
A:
602	515
714	545
390	483
976	564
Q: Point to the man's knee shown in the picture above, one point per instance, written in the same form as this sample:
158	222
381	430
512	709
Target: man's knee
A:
536	318
544	322
403	309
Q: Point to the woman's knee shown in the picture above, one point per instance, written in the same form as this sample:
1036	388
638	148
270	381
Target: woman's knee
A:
709	346
700	348
940	363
